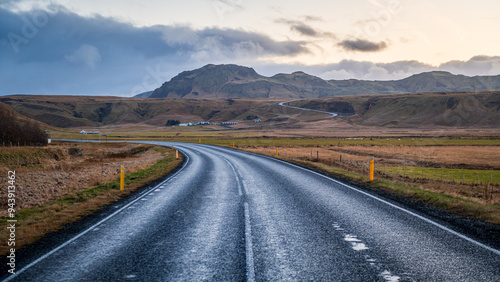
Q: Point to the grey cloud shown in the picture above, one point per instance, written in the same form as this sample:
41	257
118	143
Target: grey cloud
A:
305	29
50	51
313	18
362	45
477	65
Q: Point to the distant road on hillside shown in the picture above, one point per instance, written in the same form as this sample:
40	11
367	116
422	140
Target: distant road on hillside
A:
285	104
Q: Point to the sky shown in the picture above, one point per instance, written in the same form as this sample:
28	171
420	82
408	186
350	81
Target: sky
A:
125	47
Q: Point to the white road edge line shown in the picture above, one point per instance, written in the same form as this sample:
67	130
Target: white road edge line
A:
495	251
248	246
93	226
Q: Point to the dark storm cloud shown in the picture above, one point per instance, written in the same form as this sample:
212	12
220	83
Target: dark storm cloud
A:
361	45
51	51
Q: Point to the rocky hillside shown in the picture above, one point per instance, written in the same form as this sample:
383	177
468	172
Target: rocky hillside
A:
232	81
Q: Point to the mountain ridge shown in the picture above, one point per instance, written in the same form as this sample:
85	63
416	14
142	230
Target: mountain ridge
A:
234	81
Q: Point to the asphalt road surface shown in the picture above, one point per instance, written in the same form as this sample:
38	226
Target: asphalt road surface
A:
227	215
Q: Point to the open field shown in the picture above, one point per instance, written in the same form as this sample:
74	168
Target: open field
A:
427	170
59	184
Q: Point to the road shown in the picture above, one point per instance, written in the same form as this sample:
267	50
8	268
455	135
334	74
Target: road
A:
285	104
228	215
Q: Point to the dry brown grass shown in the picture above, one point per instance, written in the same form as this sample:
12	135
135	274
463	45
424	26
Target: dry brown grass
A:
355	160
473	157
73	195
44	174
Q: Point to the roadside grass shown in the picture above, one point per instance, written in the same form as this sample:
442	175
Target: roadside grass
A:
244	138
475	201
461	176
455	205
33	223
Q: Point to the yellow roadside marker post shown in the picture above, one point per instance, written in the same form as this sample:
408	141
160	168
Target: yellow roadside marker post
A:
233	145
176	154
199	141
122	178
276	152
372	166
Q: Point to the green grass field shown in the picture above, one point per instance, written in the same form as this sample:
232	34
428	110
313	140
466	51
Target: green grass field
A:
465	176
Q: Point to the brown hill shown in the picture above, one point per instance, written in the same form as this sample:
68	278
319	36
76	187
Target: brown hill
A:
465	109
18	129
427	110
88	111
232	81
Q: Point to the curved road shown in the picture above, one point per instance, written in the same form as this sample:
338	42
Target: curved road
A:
230	216
285	104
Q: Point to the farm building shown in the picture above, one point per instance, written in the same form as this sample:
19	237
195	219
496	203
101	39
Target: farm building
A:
89	132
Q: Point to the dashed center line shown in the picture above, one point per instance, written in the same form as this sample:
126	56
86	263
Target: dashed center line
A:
358	246
250	266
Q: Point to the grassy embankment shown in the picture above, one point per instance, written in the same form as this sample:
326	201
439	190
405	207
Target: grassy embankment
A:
87	178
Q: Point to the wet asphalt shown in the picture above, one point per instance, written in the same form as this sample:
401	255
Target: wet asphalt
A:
228	215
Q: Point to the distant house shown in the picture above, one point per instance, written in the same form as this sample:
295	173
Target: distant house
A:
203	123
89	132
191	124
183	124
257	120
229	123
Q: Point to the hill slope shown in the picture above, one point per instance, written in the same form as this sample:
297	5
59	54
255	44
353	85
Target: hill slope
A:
464	110
88	111
428	110
232	81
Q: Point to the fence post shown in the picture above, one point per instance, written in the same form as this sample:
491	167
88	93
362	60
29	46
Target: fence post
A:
477	178
405	171
317	155
491	178
463	178
372	168
451	176
122	178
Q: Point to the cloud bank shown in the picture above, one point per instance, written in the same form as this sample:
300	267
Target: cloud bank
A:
56	51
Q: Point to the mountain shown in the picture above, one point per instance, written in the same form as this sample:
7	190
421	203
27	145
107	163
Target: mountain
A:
233	81
144	94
